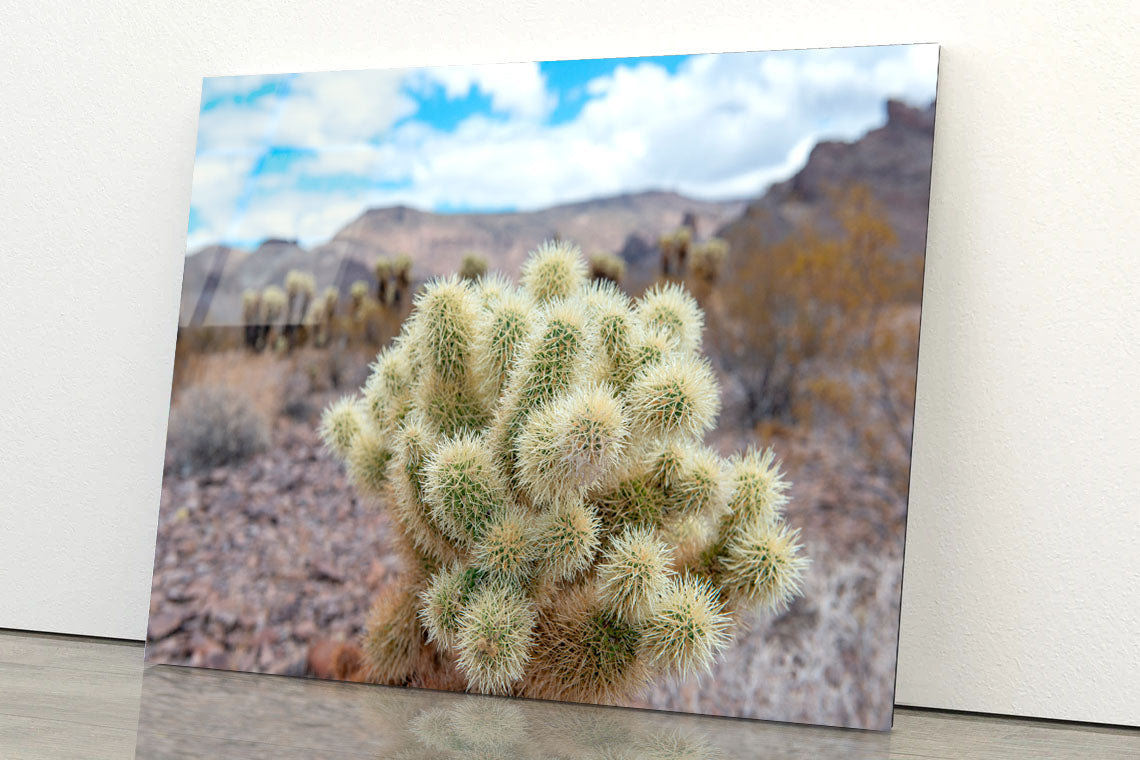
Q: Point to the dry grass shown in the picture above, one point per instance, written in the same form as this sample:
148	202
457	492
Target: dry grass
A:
258	376
273	382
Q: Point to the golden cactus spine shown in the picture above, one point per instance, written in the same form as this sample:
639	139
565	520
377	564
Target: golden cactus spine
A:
566	532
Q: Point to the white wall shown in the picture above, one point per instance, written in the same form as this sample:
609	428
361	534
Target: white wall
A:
1022	588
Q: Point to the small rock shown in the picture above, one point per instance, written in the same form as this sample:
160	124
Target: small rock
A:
217	476
166	622
227	619
322	571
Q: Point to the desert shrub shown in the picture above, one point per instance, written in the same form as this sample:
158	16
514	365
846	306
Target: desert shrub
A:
810	303
567	535
213	427
295	395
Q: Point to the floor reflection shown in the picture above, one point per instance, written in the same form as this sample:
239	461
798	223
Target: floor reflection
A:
192	713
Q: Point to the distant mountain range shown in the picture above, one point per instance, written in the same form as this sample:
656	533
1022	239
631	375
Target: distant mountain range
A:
893	160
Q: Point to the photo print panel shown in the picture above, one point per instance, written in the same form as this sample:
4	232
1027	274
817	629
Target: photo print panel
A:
581	380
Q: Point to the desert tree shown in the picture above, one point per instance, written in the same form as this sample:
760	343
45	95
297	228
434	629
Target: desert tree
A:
836	293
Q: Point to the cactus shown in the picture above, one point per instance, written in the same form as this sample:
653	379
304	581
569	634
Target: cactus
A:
401	276
273	301
675	248
566	534
707	259
607	266
251	317
300	288
383	271
357	292
473	267
322	315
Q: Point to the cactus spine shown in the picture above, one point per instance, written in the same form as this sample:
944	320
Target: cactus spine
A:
566	533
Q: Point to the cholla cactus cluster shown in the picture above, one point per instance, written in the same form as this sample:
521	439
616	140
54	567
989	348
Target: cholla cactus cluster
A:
675	247
299	288
393	276
682	256
251	316
322	315
261	310
273	301
607	266
707	259
473	267
566	533
358	291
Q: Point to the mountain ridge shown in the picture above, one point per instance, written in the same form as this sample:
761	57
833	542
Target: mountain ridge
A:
438	243
893	160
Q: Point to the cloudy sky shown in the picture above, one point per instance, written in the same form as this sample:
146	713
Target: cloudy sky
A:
300	155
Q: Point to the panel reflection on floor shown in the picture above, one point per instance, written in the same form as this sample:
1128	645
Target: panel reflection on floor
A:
195	713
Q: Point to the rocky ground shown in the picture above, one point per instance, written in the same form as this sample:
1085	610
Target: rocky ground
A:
257	561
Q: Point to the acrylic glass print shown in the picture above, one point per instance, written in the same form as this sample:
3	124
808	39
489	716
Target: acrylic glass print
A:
582	380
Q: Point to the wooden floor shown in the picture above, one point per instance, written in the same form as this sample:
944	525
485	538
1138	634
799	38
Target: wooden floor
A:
64	697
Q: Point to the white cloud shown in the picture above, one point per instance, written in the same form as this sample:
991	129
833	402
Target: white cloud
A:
518	89
317	110
720	126
217	187
333	108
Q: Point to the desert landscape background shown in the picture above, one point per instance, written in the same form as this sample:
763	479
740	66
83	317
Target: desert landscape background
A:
265	555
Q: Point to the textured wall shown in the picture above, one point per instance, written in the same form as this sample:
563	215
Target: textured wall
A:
1022	590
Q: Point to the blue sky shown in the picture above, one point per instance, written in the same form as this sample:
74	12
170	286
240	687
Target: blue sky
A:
300	155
